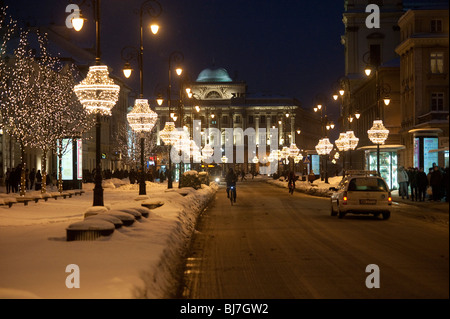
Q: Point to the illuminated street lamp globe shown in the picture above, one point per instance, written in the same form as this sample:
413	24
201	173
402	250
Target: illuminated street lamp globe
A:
378	133
342	142
97	92
142	118
224	159
352	140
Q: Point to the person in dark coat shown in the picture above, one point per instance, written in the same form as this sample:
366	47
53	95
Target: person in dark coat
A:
412	173
38	180
435	183
32	177
8	180
422	184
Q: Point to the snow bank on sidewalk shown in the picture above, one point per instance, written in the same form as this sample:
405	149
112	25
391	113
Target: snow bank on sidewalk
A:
317	188
138	261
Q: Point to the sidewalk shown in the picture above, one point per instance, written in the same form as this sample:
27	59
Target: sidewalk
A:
440	206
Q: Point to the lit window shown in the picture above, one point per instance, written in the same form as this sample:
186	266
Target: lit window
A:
437	62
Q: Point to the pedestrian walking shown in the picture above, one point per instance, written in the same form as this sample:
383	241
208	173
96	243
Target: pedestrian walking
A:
402	179
422	184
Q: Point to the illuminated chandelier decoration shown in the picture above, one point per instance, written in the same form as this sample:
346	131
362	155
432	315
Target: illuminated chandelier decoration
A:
181	141
142	118
298	158
293	150
224	159
324	147
167	134
255	160
193	148
285	152
207	151
378	133
97	92
342	142
352	140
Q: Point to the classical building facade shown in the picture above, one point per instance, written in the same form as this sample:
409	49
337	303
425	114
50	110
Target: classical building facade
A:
424	77
219	102
409	59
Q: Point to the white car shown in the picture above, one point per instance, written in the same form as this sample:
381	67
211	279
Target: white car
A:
361	194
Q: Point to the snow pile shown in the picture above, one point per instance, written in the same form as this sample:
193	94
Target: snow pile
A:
141	260
317	188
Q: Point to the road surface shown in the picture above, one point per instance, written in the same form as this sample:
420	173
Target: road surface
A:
273	245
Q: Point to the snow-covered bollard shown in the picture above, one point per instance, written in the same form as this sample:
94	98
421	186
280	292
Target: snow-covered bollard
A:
89	229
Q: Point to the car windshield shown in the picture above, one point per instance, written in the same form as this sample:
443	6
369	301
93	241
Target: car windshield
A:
367	184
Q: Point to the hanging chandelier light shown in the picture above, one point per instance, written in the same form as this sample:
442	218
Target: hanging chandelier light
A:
378	133
142	118
352	140
293	150
97	92
342	142
298	158
167	134
224	159
324	147
285	152
207	151
255	160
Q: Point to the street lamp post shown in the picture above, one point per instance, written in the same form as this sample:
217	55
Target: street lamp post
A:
175	57
98	94
141	118
378	133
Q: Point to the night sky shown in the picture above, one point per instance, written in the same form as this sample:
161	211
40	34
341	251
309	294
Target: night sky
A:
280	47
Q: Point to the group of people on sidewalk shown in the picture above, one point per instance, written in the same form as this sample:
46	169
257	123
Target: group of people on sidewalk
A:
418	185
32	179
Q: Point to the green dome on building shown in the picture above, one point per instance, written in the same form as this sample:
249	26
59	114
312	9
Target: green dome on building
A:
214	75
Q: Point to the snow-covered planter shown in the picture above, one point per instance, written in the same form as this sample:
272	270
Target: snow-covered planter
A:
109	218
132	212
190	179
94	210
152	203
89	229
126	218
204	178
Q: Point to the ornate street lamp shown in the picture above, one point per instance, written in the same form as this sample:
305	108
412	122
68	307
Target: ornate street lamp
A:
378	135
324	147
168	138
142	119
98	94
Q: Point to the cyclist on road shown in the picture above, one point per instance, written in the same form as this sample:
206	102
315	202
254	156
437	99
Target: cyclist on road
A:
231	180
291	182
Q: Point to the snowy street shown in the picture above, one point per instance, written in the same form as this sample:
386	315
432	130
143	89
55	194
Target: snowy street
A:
273	245
134	262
